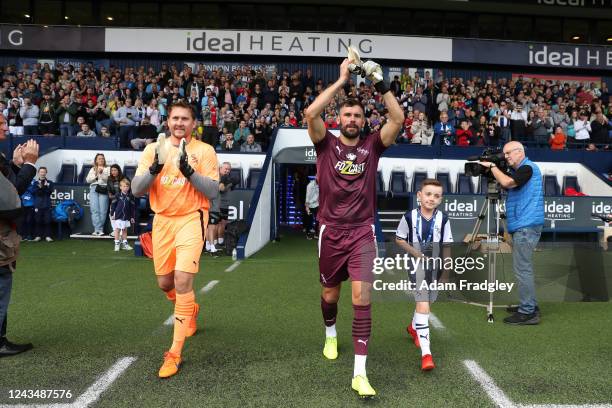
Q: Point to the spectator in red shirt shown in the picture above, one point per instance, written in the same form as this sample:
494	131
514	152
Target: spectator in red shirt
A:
464	134
558	139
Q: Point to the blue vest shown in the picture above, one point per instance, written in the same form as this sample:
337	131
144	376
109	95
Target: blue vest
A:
525	205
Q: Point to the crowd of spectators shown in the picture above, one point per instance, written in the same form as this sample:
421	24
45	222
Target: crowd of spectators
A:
239	110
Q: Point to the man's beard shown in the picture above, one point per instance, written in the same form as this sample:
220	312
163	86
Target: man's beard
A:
351	134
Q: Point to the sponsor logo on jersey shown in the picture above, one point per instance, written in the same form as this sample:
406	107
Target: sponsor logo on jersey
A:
173	181
349	168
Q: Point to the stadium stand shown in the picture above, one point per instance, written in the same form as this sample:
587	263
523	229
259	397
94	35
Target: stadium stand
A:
68	172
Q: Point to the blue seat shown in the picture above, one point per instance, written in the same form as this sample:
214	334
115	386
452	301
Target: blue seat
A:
236	174
444	179
398	186
417	180
464	184
253	178
67	174
551	187
570	181
129	172
83	174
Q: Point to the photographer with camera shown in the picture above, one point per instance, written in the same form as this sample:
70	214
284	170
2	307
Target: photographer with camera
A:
15	178
525	216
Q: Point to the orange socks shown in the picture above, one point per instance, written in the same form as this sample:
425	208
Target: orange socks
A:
183	313
171	295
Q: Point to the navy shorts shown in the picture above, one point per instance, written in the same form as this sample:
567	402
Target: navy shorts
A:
346	253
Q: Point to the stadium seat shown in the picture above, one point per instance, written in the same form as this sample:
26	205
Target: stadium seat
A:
551	187
67	173
464	184
253	176
129	169
398	186
87	165
420	174
236	173
380	184
443	176
482	185
570	180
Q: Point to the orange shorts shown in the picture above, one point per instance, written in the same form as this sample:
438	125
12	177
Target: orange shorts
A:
178	242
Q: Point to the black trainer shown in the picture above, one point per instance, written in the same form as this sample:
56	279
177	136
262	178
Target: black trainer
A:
523	319
514	309
10	349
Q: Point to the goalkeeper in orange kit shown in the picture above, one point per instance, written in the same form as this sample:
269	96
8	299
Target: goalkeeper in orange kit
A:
181	175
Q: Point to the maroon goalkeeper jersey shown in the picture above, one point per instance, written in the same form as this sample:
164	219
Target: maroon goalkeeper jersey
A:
347	180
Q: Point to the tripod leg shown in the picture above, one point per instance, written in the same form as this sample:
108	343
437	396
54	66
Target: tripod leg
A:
481	215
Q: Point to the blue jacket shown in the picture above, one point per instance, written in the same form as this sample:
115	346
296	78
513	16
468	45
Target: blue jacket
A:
123	207
42	195
444	133
27	198
525	205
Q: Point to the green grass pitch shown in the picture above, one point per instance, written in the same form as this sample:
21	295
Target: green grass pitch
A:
261	338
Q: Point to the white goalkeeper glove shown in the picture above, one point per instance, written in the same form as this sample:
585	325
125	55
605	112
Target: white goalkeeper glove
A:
372	71
162	150
355	66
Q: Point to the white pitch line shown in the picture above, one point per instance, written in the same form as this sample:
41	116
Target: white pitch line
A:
209	286
232	266
501	399
170	320
435	322
91	394
493	391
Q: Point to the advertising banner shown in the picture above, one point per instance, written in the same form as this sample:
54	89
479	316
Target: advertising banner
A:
240	201
41	38
531	54
198	41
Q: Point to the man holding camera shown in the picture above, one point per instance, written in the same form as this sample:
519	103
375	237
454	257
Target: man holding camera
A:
525	216
15	178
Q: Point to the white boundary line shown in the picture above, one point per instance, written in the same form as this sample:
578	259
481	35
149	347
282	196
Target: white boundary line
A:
501	400
209	286
233	266
91	394
435	322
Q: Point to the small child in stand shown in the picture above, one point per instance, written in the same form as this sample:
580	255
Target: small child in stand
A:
123	212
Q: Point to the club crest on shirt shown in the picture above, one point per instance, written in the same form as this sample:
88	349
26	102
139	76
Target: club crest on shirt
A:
351	156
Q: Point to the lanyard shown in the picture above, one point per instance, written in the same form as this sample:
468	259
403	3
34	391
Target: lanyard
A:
429	237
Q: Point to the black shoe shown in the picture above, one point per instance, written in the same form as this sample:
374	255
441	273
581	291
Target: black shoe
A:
10	349
514	309
522	319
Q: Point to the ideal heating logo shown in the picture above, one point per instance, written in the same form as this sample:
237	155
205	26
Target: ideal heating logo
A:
568	57
461	210
559	211
310	154
600	207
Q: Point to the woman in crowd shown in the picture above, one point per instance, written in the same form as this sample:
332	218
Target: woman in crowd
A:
423	133
98	194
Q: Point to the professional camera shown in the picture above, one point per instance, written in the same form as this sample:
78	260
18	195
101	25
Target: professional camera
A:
493	155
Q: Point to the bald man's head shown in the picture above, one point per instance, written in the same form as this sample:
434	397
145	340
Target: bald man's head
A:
514	153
